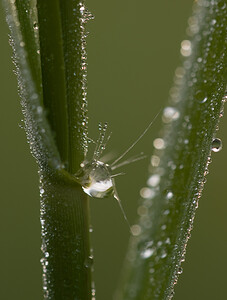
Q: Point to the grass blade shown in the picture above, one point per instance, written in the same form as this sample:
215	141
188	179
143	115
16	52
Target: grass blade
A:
180	162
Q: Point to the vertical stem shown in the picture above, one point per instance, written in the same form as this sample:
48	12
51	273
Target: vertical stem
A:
65	244
64	206
53	72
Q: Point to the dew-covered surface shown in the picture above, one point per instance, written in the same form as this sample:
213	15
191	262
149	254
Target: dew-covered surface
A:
67	260
179	164
24	41
53	97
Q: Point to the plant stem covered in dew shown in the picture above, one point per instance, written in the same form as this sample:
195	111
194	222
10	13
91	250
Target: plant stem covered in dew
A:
180	161
48	40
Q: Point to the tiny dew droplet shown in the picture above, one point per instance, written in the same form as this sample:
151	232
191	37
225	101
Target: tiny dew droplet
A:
200	96
35	25
216	145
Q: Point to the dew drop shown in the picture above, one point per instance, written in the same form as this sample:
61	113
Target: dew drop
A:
46	254
169	195
39	109
35	26
153	180
147	253
186	48
89	261
180	271
216	145
170	114
147	193
142	210
163	254
155	160
136	230
159	144
168	241
200	96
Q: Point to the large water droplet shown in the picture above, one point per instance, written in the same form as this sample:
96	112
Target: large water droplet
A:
216	145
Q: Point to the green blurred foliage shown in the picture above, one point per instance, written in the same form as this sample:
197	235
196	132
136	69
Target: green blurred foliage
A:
133	50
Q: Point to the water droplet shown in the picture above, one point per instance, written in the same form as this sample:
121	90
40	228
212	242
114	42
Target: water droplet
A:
159	144
186	48
153	180
147	193
170	114
159	243
42	191
39	109
89	261
82	8
155	160
22	44
136	230
142	210
95	179
35	26
216	145
168	241
180	270
163	254
147	253
200	96
169	195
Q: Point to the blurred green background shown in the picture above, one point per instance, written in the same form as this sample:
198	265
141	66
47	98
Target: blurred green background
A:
133	50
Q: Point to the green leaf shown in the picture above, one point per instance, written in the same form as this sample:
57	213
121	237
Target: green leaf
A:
180	162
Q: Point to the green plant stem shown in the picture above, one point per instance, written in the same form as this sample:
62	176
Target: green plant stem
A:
53	72
65	245
55	120
74	15
155	256
64	207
